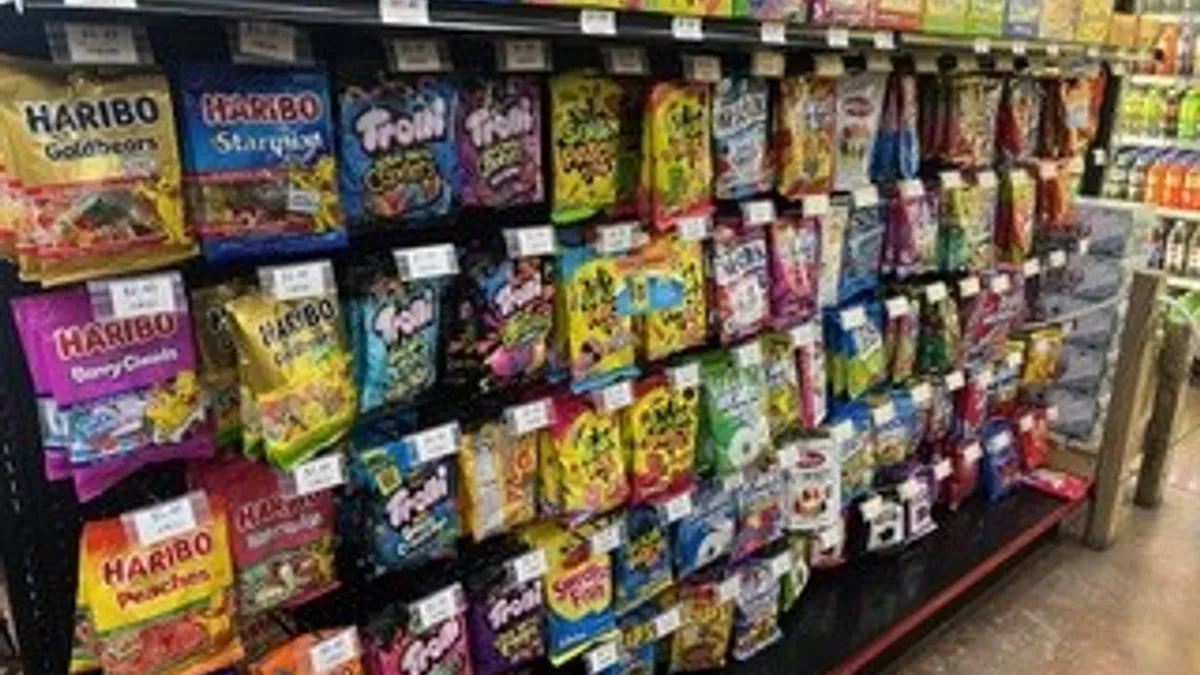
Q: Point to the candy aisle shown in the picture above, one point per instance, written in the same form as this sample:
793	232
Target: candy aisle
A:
349	337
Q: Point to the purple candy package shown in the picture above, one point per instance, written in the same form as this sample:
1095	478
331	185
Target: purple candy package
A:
500	148
505	624
795	245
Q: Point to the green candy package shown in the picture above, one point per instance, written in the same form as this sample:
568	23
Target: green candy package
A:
783	383
585	141
734	427
900	335
855	337
939	346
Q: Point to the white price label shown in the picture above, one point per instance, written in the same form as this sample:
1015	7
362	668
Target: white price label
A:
439	607
404	12
951	179
943	469
143	296
884	40
782	564
1015	359
843	431
1031	268
871	507
1056	259
1083	246
529	417
758	212
100	44
999	442
598	22
972	453
685	376
319	474
748	355
158	523
733	482
426	262
603	657
837	37
524	242
1093	52
921	393
1099	157
955	380
883	414
687	28
677	507
693	228
668	622
1001	283
789	455
617	238
968	287
767	63
879	63
304	201
829	65
435	443
268	40
530	566
773	33
101	4
814	205
328	655
911	189
984	378
865	196
626	60
526	56
417	56
1052	413
804	334
1026	422
983	46
729	589
897	307
1047	170
908	489
1053	49
853	318
608	539
1019	48
616	396
935	292
986	179
296	282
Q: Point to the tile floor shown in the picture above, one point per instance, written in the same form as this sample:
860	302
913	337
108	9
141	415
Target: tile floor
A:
1131	610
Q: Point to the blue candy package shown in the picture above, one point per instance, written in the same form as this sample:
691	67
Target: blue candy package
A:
756	615
399	157
1000	466
863	248
740	150
850	426
258	163
707	533
759	512
642	566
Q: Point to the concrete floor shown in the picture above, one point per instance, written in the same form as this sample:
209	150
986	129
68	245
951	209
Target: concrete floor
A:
1131	610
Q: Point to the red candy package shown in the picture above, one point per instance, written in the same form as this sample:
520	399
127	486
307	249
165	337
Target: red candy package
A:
1033	436
964	476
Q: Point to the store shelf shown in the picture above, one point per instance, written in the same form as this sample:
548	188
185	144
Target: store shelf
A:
1165	80
1153	142
1071	316
1177	214
850	617
1183	283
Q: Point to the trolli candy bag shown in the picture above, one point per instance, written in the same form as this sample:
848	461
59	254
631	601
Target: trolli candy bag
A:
258	160
328	651
158	587
96	156
795	247
740	283
660	429
500	142
743	163
677	170
427	636
499	477
585	139
505	613
806	121
282	540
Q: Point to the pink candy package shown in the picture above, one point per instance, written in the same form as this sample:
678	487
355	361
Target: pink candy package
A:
795	246
810	367
501	150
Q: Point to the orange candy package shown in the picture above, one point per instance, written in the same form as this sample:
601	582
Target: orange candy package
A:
328	652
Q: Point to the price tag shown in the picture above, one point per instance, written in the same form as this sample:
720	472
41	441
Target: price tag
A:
617	238
530	566
319	474
435	443
1047	170
972	453
843	432
773	33
884	40
1052	413
329	655
1031	268
597	22
687	28
935	292
404	12
418	56
983	46
101	44
603	657
926	63
865	196
986	179
525	242
729	589
921	393
616	396
1093	52
951	179
1099	157
626	60
1053	49
955	380
143	296
1001	283
748	355
804	334
782	564
879	63
1056	259
668	622
984	377
703	68
837	37
897	307
942	470
1019	48
815	205
296	282
1083	246
766	63
426	262
529	417
883	414
908	489
608	539
268	40
789	455
829	65
968	287
102	4
911	189
677	507
1015	359
1026	422
853	318
439	607
871	507
693	228
685	376
161	522
524	56
758	212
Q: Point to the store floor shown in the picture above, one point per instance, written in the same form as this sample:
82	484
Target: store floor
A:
1070	610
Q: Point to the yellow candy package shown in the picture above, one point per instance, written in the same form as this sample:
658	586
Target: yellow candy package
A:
582	461
295	367
158	585
218	358
674	267
783	383
98	158
661	428
585	134
594	317
499	478
677	137
702	641
806	124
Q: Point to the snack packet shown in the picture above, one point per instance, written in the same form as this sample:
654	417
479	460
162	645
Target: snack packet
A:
702	641
806	121
859	105
795	248
258	160
398	150
505	617
756	610
629	152
677	173
783	383
642	565
298	655
856	340
706	533
583	461
740	283
585	140
677	263
595	303
218	358
1020	118
1034	438
734	427
842	12
740	150
1000	466
945	16
813	484
862	252
759	511
833	243
660	431
398	642
499	479
939	347
851	430
810	368
900	338
500	154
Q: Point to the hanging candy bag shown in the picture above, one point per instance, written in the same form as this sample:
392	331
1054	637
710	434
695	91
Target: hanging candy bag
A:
756	610
783	383
734	427
588	457
499	478
679	169
742	158
807	125
660	430
642	564
795	248
326	652
505	613
759	511
500	153
812	485
702	641
859	106
404	640
810	370
585	140
218	358
740	283
594	301
678	263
